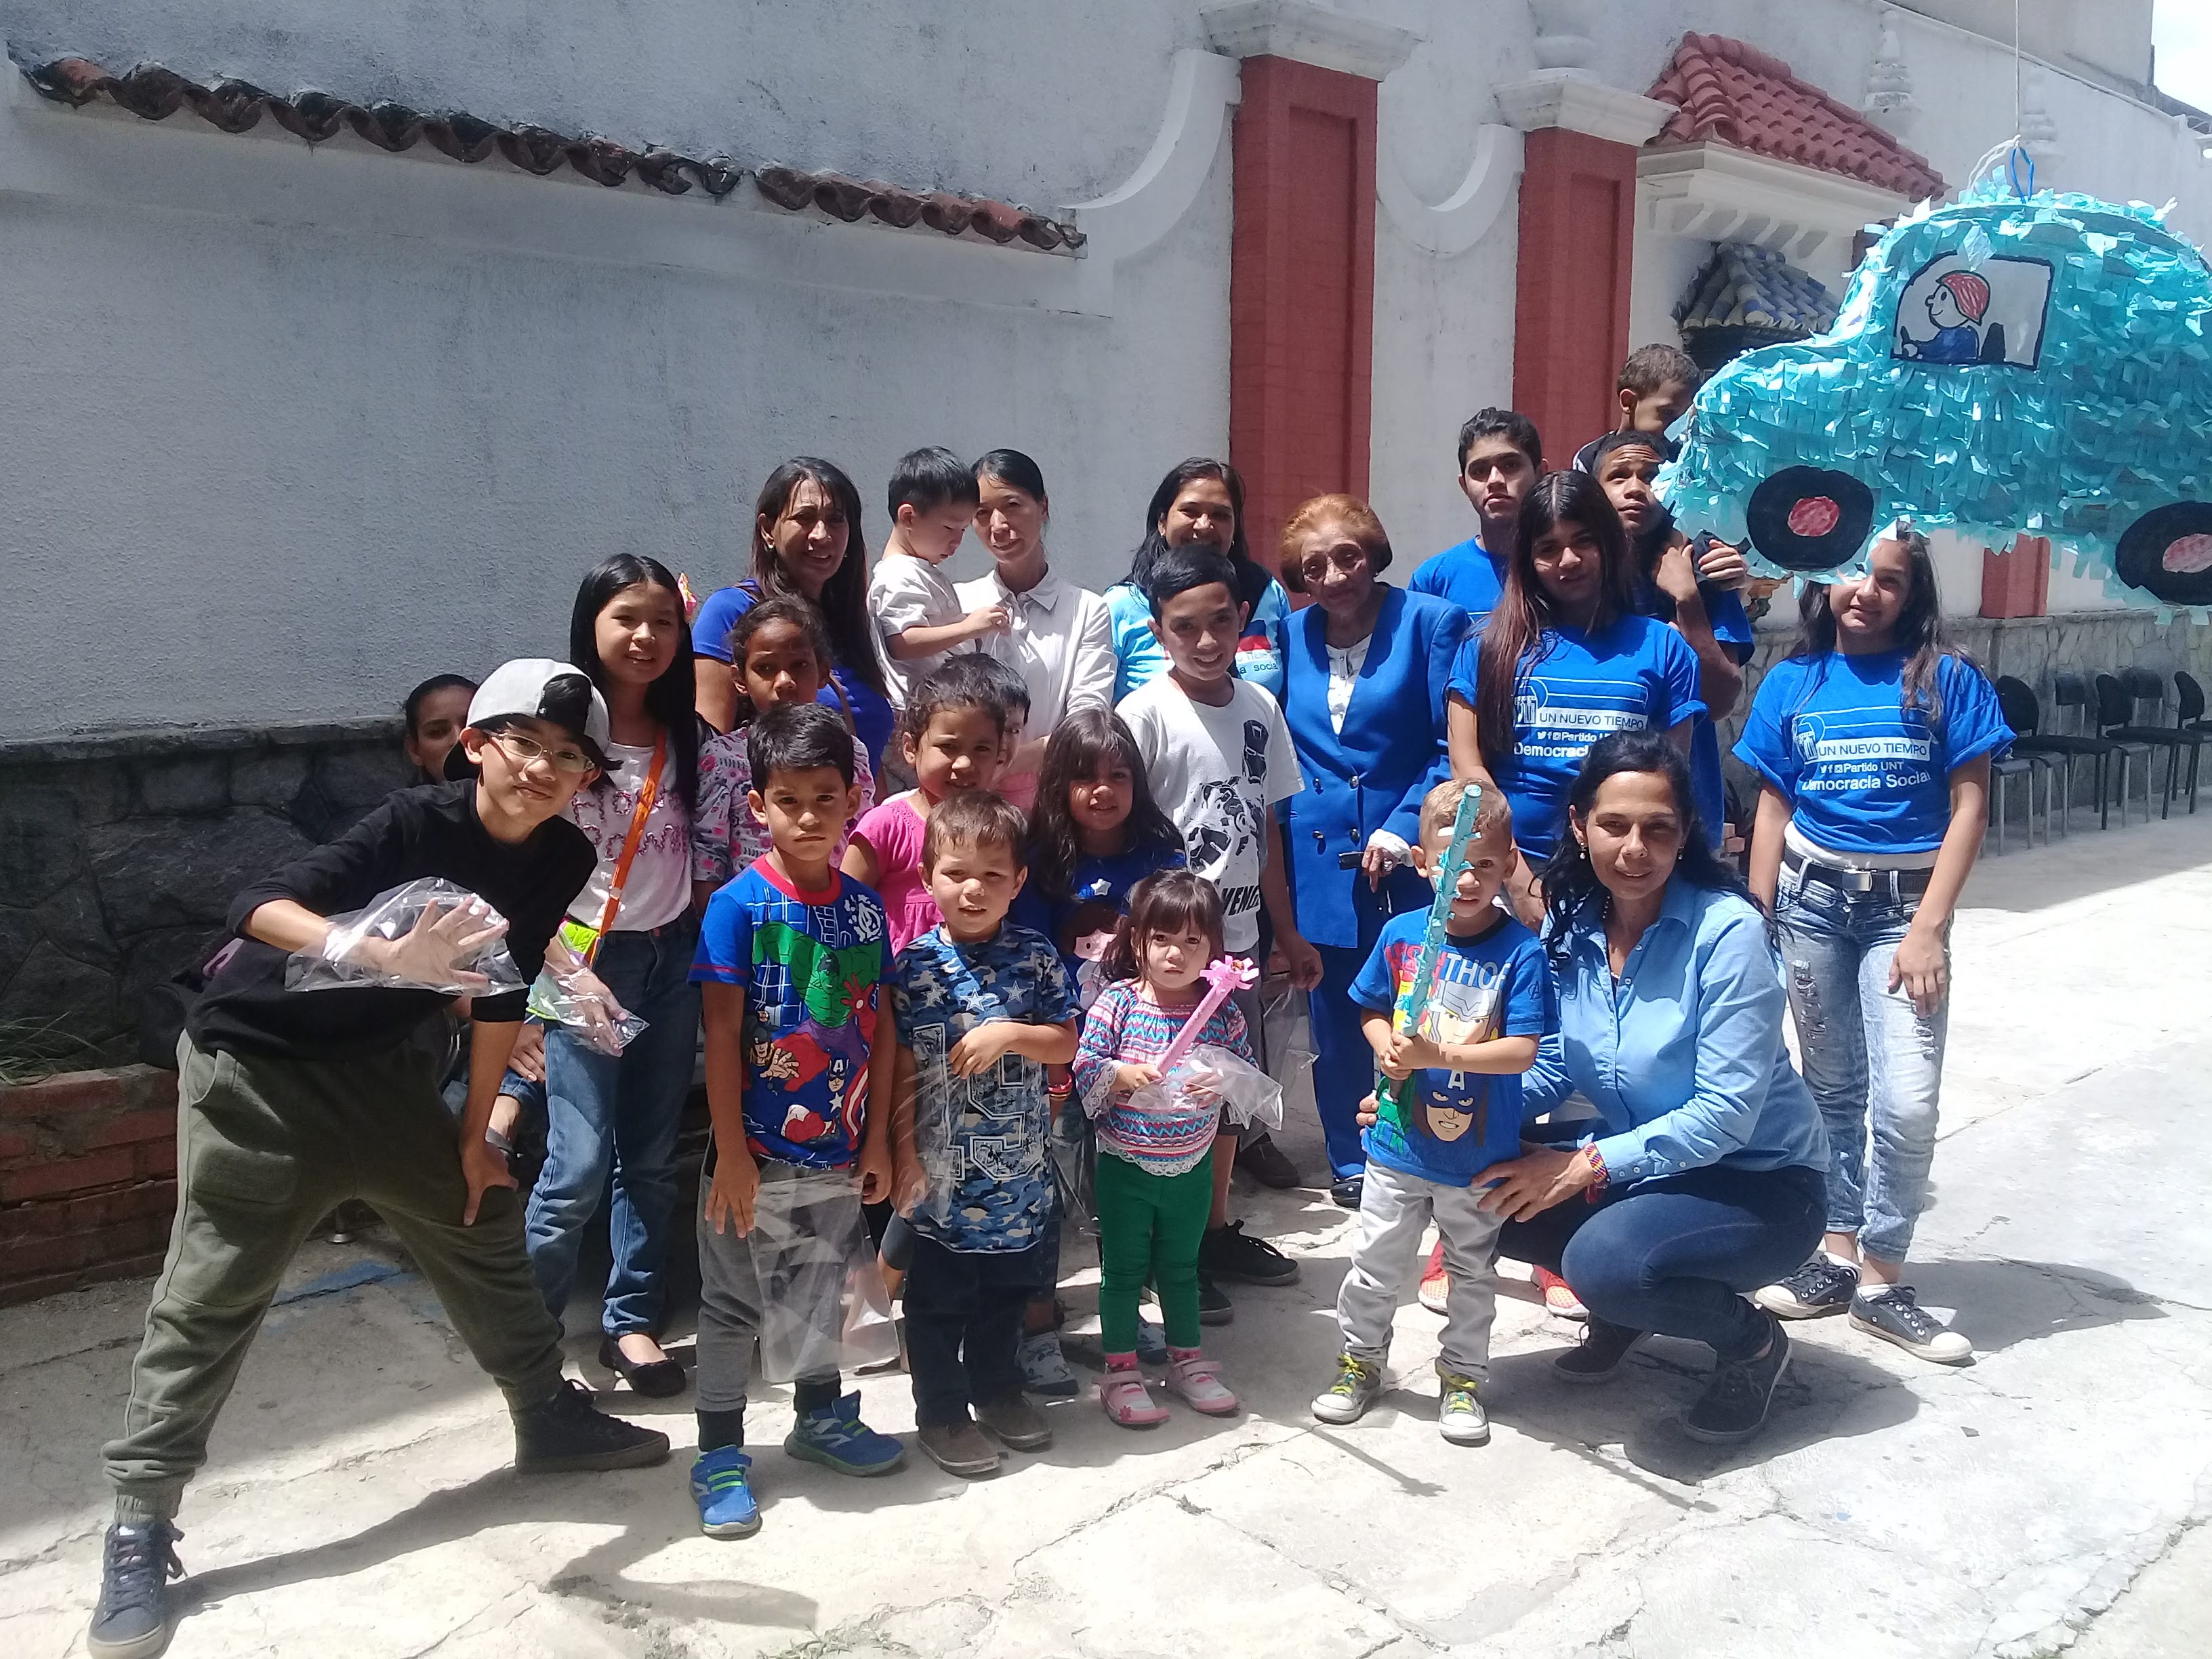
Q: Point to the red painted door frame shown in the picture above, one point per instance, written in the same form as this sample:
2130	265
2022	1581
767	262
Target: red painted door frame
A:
1571	308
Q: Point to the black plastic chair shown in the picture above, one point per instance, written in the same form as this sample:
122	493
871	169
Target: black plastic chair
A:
2116	719
2074	691
2189	703
2029	766
2143	685
2024	714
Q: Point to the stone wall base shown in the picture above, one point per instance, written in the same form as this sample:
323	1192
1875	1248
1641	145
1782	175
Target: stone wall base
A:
88	1179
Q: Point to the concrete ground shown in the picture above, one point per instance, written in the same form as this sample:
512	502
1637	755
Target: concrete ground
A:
2050	1495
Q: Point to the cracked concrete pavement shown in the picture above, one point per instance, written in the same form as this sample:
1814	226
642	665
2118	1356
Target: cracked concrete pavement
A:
2050	1495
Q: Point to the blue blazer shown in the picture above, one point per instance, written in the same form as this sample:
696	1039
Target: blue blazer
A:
1374	774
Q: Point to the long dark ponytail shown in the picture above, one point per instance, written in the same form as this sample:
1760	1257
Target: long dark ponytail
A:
671	699
1525	611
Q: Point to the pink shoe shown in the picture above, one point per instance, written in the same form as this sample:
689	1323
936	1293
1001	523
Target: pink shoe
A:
1122	1393
1436	1283
1192	1379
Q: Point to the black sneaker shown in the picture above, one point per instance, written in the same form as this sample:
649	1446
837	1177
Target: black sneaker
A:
569	1432
1600	1354
1347	1193
1267	1164
1214	1307
1230	1252
132	1618
1735	1404
1894	1315
1820	1286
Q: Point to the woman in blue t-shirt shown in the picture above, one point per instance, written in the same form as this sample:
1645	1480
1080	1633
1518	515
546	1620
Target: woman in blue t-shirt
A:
806	540
1873	741
1562	661
1200	502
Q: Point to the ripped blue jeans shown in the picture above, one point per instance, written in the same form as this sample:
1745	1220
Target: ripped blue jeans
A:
1875	1066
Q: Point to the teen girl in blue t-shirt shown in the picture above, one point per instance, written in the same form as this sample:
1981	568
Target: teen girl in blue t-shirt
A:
1562	660
1873	741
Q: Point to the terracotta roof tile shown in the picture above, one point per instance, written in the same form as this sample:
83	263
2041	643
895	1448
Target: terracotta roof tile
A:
155	94
1736	94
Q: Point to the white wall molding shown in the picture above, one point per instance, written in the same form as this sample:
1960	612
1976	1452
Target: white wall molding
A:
101	156
1578	101
1719	194
1456	224
1307	33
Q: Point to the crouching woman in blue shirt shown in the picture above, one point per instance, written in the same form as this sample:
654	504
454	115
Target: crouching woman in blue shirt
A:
1706	1175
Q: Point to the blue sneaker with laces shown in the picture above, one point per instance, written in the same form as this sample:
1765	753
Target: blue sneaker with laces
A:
835	1438
722	1487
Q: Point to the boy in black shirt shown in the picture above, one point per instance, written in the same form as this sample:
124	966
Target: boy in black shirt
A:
290	1101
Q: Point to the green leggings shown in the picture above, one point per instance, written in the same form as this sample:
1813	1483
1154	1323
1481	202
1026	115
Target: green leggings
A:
1149	1227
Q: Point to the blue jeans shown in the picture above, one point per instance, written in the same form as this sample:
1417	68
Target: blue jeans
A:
1872	1062
618	1113
1678	1254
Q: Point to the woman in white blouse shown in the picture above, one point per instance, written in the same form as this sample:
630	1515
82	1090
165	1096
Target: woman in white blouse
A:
1059	636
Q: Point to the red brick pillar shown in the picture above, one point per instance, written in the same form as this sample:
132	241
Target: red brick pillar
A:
1571	306
2017	581
1301	289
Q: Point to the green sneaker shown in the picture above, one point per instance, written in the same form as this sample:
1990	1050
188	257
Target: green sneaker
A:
1347	1400
1459	1413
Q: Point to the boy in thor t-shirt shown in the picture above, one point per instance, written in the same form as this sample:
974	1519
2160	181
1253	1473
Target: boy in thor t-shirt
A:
289	1103
792	954
1457	1111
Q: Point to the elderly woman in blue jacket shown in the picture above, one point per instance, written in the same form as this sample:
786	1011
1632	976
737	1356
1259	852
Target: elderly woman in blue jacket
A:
1366	668
1705	1171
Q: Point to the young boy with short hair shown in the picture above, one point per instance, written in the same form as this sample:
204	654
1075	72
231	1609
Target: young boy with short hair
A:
1656	384
291	1102
933	502
983	1006
1218	756
1456	1113
1500	459
792	955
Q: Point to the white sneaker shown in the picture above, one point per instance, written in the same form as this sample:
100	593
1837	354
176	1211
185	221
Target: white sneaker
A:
1460	1415
1347	1400
1894	1315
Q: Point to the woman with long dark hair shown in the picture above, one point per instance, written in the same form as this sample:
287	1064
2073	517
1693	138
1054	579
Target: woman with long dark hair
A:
1200	502
1705	1169
1365	698
1057	637
807	540
1564	660
634	919
1872	742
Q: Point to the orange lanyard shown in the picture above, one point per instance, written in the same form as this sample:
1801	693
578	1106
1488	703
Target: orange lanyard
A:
646	796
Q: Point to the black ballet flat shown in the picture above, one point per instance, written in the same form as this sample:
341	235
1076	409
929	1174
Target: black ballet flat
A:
656	1379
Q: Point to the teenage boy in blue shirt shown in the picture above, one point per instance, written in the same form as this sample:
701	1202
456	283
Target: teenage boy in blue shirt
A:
289	1103
1500	459
983	1006
792	954
1458	1111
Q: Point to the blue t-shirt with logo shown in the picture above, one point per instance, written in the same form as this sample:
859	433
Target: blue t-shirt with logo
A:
1465	575
1732	629
982	1138
811	966
1863	773
1633	675
1098	889
1456	1124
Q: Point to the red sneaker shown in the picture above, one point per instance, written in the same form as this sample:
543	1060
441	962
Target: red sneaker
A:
1559	1296
1436	1283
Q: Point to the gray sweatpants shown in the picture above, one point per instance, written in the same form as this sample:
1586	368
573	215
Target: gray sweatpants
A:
802	1334
1394	1209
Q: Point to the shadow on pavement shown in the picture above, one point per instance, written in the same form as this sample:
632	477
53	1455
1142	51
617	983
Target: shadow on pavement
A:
2003	1302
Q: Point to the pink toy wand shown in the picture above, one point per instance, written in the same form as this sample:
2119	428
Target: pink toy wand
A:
1223	976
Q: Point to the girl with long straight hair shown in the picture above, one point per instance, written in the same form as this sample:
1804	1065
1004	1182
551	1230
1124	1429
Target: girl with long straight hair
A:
807	540
634	920
1872	742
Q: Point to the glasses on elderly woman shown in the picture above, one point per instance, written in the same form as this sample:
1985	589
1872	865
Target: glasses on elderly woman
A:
1346	558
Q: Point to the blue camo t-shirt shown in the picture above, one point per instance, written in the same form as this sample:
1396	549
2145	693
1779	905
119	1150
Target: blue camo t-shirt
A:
982	1138
1732	629
1635	674
811	966
1466	574
1459	1123
1863	773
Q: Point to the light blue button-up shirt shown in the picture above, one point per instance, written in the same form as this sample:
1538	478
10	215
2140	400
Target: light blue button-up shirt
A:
1683	1054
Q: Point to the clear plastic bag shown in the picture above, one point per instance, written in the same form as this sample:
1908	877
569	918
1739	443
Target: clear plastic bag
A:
429	934
824	1306
1244	1093
1074	1163
568	992
934	1115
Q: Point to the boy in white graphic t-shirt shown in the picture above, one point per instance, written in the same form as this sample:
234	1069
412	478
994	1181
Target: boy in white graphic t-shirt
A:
1218	756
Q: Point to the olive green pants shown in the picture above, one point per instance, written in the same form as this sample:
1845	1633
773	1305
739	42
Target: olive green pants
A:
266	1148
